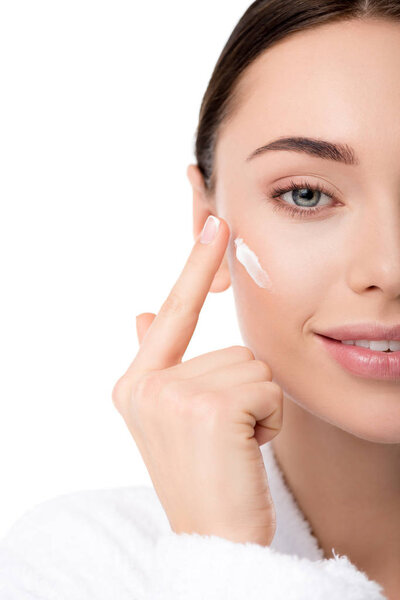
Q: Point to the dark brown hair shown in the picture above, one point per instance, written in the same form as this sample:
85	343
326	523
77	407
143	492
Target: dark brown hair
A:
264	23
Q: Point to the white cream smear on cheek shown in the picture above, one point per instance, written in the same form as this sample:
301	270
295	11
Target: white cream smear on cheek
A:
251	263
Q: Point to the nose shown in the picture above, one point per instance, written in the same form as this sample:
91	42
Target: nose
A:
375	249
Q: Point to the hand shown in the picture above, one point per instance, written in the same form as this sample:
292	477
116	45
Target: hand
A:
199	424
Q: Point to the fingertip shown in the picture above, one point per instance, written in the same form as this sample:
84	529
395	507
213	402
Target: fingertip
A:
215	229
224	226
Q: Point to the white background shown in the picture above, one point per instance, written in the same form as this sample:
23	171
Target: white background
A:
99	103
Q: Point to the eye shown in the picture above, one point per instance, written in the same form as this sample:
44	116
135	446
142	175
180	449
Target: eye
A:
304	200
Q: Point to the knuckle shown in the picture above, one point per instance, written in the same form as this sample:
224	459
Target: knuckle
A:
146	386
276	390
174	304
243	352
170	391
263	368
120	392
157	393
144	392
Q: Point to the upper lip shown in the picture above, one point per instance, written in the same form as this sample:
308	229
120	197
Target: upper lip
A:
363	331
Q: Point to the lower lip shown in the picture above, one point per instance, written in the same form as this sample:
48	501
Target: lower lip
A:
361	361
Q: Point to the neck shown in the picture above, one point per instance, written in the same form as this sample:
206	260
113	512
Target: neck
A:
347	488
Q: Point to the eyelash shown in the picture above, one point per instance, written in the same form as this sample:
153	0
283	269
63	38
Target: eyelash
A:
297	212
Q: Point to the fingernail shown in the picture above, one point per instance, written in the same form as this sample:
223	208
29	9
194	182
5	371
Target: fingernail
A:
210	230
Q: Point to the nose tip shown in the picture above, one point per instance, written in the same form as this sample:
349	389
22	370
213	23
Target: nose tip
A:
375	252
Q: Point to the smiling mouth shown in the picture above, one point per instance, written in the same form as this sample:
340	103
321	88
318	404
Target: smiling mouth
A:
363	361
339	342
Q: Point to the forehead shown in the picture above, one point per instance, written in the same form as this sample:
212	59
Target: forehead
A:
336	81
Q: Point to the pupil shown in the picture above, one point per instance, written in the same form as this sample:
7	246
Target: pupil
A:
306	194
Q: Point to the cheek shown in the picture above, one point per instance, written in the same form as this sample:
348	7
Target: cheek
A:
278	285
306	284
279	273
251	263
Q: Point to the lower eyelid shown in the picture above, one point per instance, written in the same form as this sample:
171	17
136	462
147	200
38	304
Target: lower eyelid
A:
296	212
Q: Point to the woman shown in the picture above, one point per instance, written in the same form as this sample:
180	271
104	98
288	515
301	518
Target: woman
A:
272	459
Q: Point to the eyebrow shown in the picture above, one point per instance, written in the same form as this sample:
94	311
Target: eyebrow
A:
322	148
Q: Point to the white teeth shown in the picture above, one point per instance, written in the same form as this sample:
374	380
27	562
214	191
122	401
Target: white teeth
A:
366	344
382	345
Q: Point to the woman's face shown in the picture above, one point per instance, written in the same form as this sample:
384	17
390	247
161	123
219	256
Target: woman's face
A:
339	83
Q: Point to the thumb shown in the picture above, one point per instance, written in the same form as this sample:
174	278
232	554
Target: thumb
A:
143	322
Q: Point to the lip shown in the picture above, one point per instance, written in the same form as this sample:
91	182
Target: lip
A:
364	362
363	331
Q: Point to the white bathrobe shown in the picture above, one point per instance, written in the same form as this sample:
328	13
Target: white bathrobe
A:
117	544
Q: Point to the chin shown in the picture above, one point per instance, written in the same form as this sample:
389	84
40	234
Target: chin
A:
374	418
381	432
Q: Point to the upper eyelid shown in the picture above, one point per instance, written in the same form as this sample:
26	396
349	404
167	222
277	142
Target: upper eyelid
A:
279	189
313	179
310	178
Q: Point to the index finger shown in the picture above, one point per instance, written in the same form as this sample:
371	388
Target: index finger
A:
169	334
